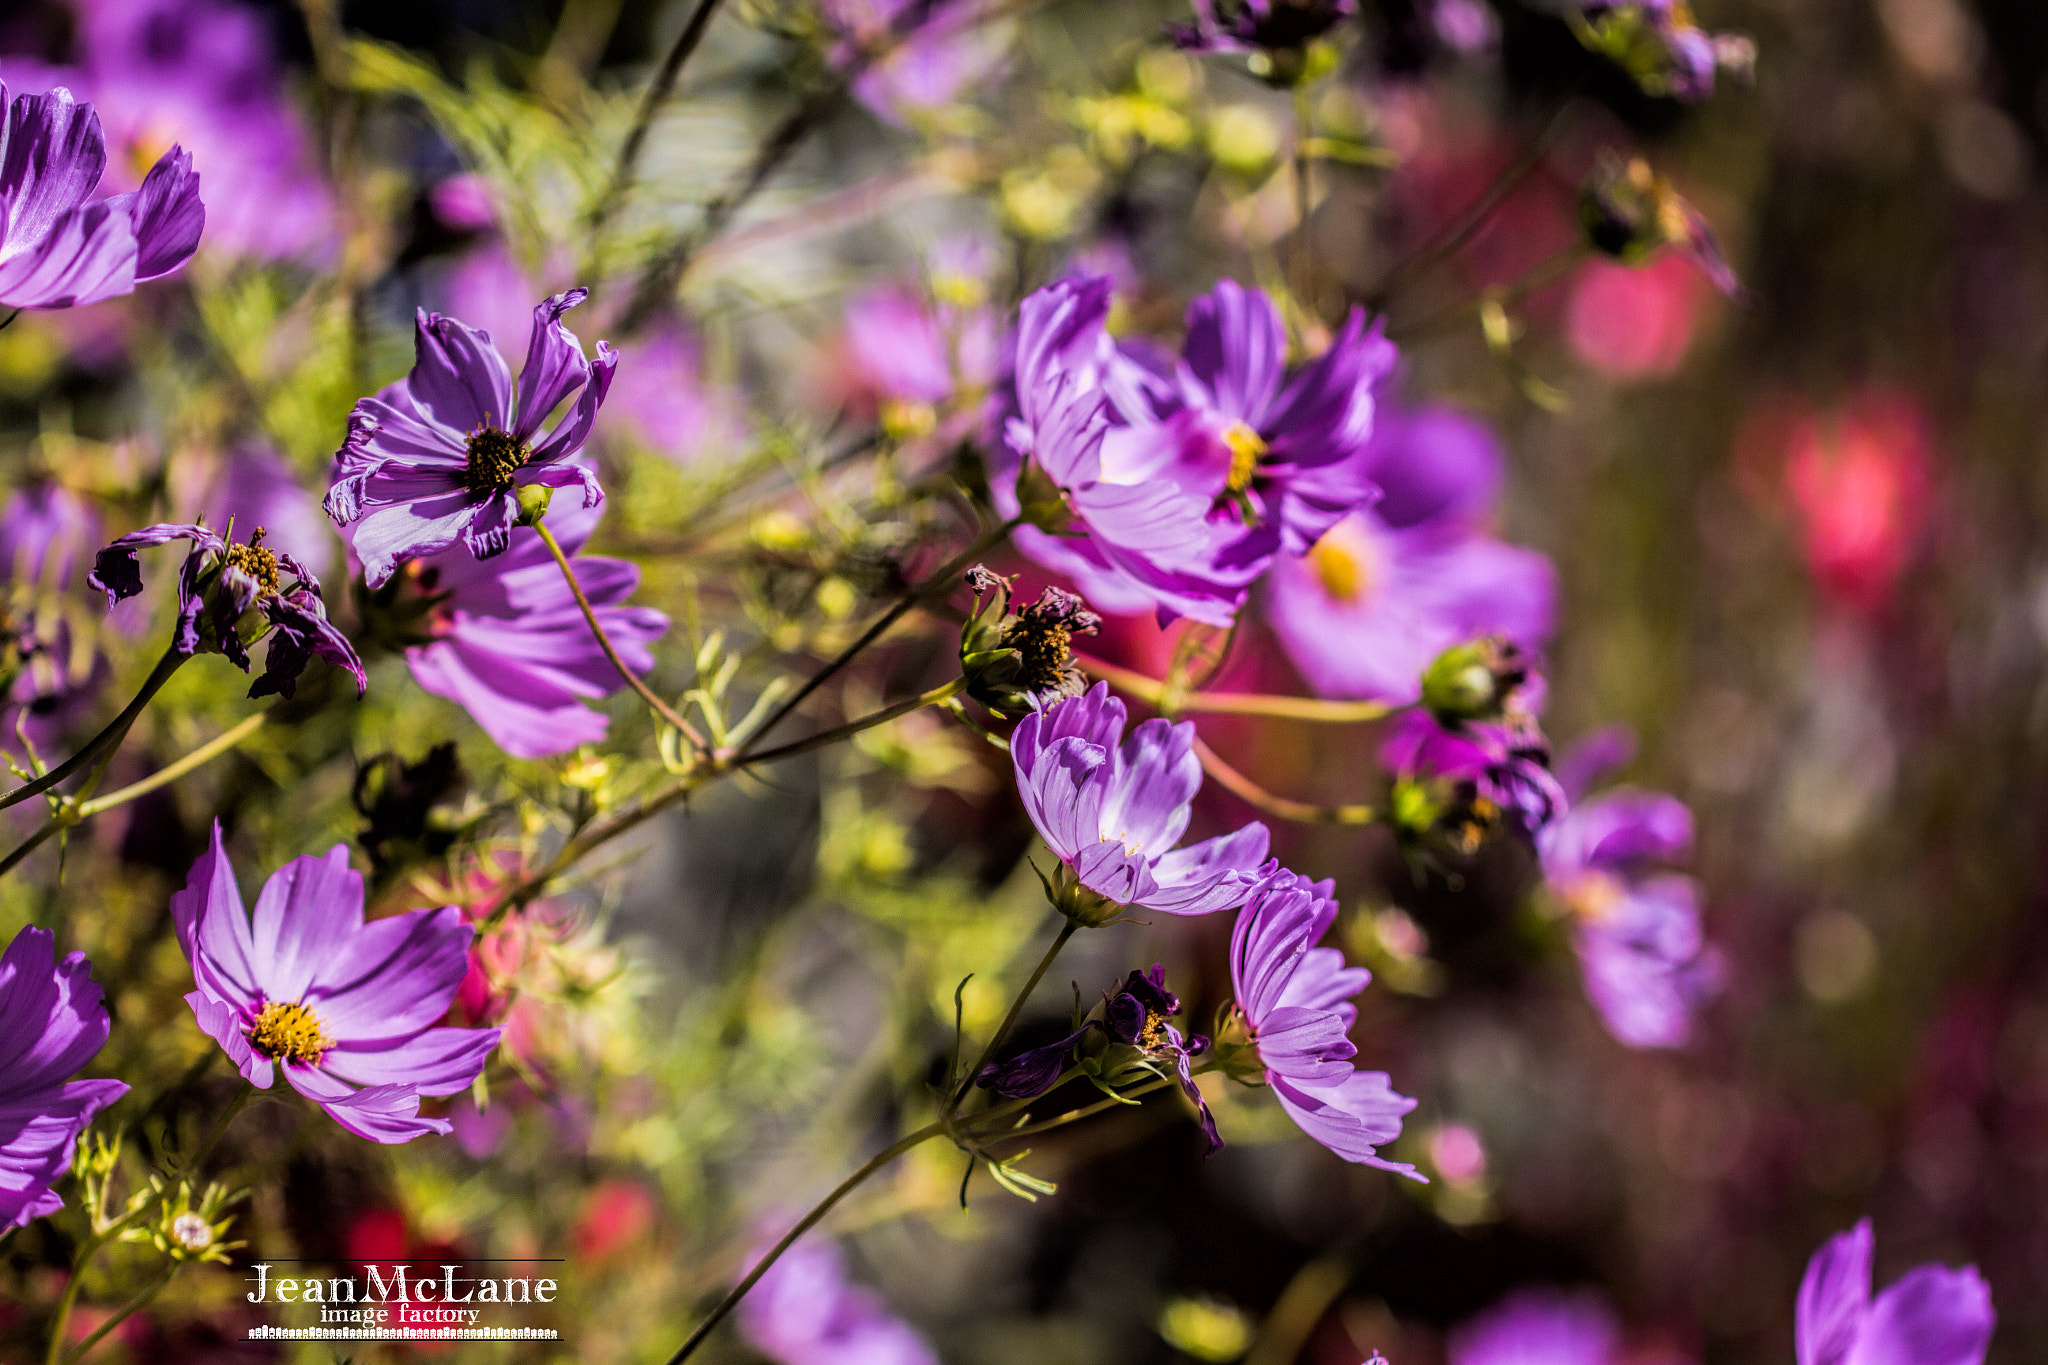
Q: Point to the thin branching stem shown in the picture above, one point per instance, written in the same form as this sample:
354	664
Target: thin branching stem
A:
1280	807
1010	1020
109	738
658	91
604	642
1153	692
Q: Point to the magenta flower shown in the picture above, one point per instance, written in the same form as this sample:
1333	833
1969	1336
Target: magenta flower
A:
1278	458
56	249
1394	584
1132	542
1637	933
1294	1006
803	1312
1539	1327
53	1019
344	1009
1111	807
440	456
1479	769
1931	1315
508	642
221	583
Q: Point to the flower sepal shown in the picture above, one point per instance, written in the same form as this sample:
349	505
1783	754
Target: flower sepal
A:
1087	909
1474	681
1041	502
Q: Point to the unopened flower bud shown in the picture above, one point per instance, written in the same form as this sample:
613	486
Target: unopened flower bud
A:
533	504
1041	501
1473	681
1630	212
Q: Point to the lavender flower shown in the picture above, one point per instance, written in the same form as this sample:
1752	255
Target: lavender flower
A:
1931	1315
440	457
206	73
504	637
231	594
803	1312
1111	807
1278	458
1394	584
53	1018
1539	1327
344	1009
1137	1016
1291	1018
1637	934
1132	542
56	249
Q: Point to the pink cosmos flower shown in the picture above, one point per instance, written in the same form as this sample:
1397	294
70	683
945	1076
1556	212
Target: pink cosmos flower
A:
1931	1315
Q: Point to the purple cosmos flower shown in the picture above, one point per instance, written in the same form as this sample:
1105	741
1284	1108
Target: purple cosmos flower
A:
803	1312
1539	1327
1394	584
344	1009
1111	807
1637	933
942	47
440	456
1459	771
205	73
1132	542
660	396
56	249
1931	1315
1260	25
1291	1019
505	638
221	584
1138	1014
1278	458
53	1019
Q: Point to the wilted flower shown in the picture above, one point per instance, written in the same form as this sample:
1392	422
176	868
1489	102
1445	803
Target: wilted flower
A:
53	1019
1131	541
803	1312
1015	660
1539	1327
1138	1015
56	249
1291	1019
504	637
232	594
1660	44
1637	933
442	455
1269	26
344	1009
1111	807
1931	1315
1390	587
1630	212
1458	777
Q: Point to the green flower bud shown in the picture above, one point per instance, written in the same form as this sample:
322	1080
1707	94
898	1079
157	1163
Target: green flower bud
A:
1474	681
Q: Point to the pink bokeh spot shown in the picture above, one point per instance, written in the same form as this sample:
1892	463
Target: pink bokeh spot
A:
1858	482
1634	322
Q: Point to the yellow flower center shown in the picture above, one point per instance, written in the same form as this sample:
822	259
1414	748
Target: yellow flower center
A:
1592	896
1246	446
1345	573
290	1033
494	456
255	561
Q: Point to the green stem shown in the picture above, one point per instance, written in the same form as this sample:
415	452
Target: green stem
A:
937	696
1282	807
658	91
1075	1115
809	1220
604	641
1235	703
1010	1020
109	738
931	586
142	1297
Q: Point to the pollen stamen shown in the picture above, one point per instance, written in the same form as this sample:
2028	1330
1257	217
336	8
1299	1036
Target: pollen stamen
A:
255	561
494	456
290	1033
